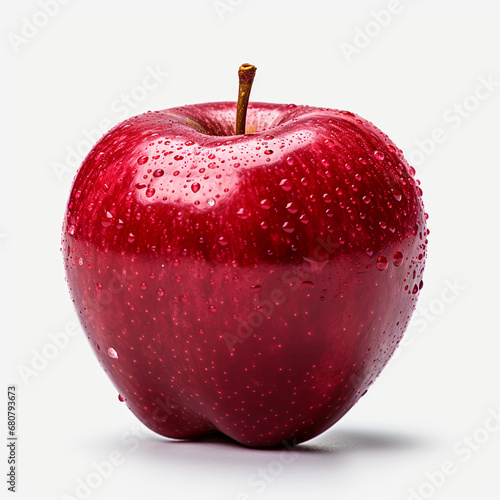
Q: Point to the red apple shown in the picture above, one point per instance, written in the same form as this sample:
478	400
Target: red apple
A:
252	284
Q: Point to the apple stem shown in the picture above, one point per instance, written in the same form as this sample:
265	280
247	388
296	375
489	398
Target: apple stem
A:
246	74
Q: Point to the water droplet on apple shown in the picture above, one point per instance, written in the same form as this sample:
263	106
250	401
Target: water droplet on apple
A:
144	286
195	187
268	152
288	228
223	241
415	289
242	214
108	220
150	192
285	185
379	155
210	202
160	292
309	284
212	309
382	263
97	346
98	286
366	199
142	160
397	259
158	172
121	398
131	238
265	204
112	353
397	194
184	298
71	230
178	157
289	160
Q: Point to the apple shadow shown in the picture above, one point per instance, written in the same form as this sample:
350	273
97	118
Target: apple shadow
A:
333	441
341	441
226	465
331	447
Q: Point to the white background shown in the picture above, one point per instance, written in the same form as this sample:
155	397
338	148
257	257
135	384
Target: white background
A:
410	79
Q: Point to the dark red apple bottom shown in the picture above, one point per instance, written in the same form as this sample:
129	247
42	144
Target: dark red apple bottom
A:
251	285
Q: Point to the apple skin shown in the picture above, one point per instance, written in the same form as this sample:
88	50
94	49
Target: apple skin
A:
253	285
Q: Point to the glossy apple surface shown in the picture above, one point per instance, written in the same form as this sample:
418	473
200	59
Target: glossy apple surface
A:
250	284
